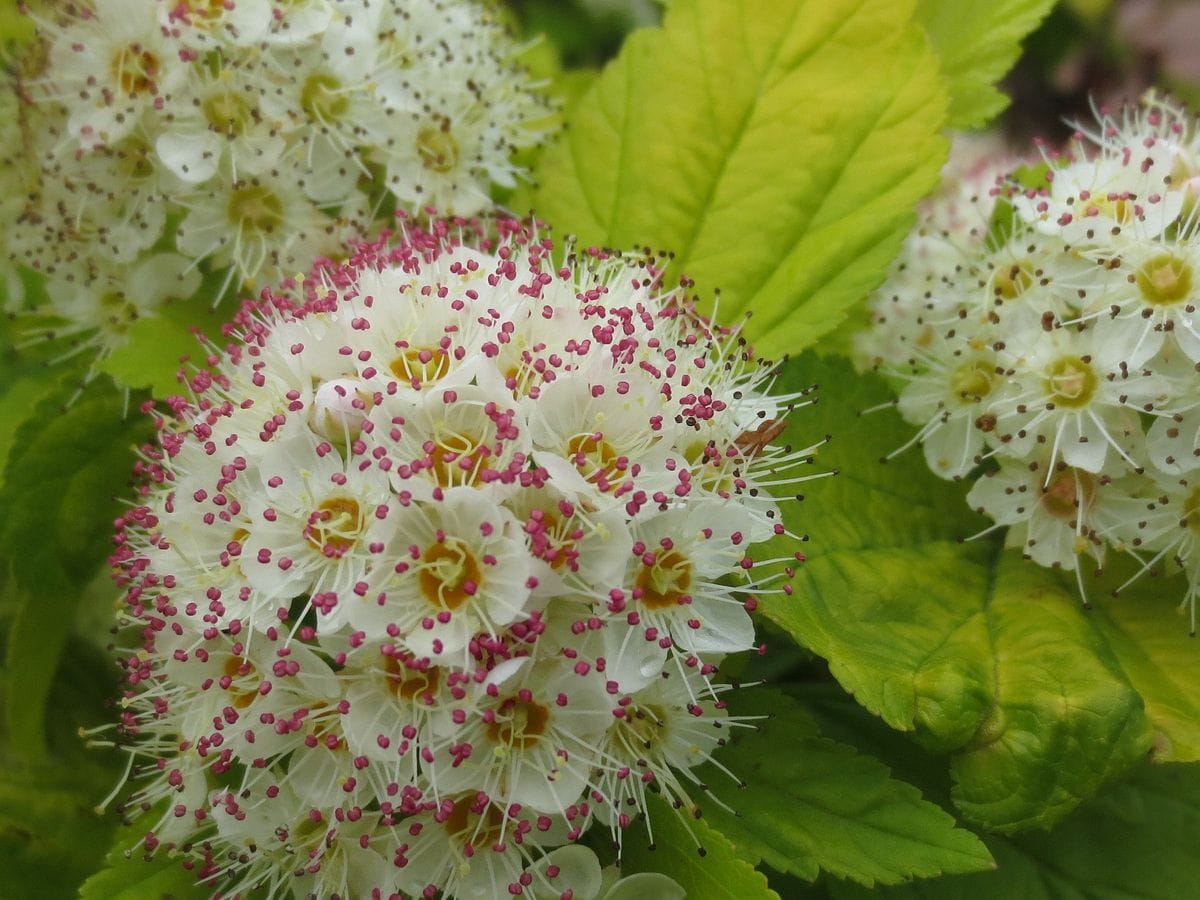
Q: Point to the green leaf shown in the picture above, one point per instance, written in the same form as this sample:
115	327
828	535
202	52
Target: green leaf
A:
716	873
776	147
151	356
28	375
1135	840
1039	701
978	44
50	836
66	468
14	26
128	874
818	805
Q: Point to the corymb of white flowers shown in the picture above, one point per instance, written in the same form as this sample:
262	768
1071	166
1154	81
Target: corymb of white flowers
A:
160	139
1052	332
434	570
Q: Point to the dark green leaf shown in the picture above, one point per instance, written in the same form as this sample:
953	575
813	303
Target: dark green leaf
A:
65	471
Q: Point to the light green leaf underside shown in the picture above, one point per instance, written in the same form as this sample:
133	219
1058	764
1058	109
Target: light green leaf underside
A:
978	44
718	874
979	653
812	805
776	147
66	469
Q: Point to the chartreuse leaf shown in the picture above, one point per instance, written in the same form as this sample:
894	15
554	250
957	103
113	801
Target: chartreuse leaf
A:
15	27
1134	840
128	874
699	858
810	804
1039	701
65	469
776	147
150	356
978	44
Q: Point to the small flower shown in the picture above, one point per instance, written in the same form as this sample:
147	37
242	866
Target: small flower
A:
266	135
435	603
1056	357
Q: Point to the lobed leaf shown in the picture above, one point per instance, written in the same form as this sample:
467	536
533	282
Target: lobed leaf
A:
776	147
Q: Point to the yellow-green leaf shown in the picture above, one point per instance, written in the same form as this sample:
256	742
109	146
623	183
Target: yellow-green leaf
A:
776	147
992	659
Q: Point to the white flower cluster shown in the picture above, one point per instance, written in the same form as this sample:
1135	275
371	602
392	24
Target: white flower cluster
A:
435	569
173	137
1056	336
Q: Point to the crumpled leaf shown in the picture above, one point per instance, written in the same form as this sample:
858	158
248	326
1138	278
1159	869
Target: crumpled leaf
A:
1136	839
1039	701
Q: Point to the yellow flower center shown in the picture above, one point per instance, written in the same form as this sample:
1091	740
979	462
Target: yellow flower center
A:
518	723
595	459
450	450
1165	280
322	98
254	208
409	681
336	525
1069	491
135	68
422	365
227	113
1191	511
1071	382
972	381
1012	282
437	150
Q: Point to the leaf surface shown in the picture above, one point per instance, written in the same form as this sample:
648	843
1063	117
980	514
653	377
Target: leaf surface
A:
978	44
810	804
992	659
776	147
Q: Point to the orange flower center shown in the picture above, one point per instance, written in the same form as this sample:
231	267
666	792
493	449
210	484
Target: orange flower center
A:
450	574
665	583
